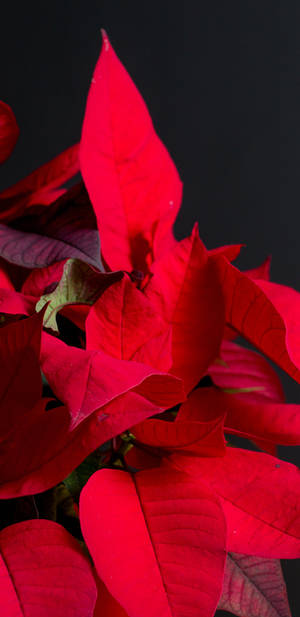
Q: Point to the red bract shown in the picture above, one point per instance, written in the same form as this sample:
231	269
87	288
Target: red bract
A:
9	131
44	572
132	182
185	291
165	554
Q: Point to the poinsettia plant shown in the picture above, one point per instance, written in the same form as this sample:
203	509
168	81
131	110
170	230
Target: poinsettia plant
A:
122	390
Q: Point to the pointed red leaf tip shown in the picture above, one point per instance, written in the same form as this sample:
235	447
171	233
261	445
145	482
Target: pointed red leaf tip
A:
157	540
264	313
124	324
254	586
44	572
41	187
9	131
132	182
186	291
260	496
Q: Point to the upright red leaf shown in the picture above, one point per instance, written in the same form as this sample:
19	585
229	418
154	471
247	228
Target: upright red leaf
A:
124	324
44	572
186	292
131	179
165	554
9	131
265	314
254	586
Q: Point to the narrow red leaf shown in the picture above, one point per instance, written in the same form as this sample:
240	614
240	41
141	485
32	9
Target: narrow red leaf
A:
165	555
132	181
9	131
265	314
40	186
186	292
254	586
43	572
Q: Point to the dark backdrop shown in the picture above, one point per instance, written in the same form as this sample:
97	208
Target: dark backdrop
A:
221	81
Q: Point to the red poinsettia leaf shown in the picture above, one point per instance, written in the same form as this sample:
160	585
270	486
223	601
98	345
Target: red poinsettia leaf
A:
140	457
131	179
254	586
44	449
44	572
230	251
260	496
15	303
41	280
165	555
9	131
106	605
5	281
202	438
86	380
21	384
40	187
124	324
265	314
186	292
242	369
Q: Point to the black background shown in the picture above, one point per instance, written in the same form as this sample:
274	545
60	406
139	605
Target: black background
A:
221	82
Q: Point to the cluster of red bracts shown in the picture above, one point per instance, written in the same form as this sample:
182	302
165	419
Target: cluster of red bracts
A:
187	523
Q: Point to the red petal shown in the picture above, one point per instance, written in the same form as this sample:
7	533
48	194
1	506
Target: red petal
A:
9	131
186	292
254	586
131	179
15	303
165	555
106	605
44	572
123	323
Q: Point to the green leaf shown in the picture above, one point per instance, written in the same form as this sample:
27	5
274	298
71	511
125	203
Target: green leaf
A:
79	284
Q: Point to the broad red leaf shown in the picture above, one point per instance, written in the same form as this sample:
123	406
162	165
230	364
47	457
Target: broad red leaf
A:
40	187
165	555
239	368
260	496
86	380
21	384
5	281
202	438
9	131
265	314
254	586
186	292
43	450
124	324
130	177
261	272
44	572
